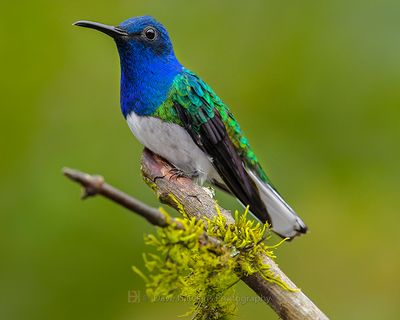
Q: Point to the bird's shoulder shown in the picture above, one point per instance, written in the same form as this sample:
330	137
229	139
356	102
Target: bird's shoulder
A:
191	93
201	105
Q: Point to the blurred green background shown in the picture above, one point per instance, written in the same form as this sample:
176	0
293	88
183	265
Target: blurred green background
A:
315	84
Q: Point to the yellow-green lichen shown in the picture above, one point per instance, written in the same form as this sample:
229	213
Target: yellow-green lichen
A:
185	266
169	198
150	183
174	202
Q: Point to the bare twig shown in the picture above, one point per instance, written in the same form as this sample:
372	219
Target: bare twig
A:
95	185
182	194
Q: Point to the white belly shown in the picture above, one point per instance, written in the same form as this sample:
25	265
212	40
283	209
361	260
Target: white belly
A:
173	143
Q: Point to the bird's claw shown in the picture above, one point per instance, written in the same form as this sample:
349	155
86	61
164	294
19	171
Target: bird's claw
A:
178	173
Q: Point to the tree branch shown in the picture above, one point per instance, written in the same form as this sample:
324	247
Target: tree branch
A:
182	194
96	185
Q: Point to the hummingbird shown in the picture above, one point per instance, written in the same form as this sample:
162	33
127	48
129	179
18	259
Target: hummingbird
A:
175	114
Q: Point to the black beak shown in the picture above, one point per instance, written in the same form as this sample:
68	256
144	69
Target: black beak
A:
109	30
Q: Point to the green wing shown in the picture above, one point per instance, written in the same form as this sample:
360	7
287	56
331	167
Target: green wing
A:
202	104
193	105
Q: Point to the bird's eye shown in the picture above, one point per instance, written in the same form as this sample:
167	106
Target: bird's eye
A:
150	33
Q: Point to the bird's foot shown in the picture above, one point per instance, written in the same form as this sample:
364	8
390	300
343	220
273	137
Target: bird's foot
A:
178	173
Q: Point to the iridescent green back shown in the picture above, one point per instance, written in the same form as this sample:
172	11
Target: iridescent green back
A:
202	103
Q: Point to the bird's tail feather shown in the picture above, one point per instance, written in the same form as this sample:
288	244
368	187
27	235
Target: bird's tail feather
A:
285	222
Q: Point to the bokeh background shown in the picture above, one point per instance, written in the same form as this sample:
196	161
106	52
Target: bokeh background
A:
315	84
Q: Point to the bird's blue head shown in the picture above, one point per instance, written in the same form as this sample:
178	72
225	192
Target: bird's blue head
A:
148	62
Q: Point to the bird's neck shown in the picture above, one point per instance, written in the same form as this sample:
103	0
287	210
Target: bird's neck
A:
146	82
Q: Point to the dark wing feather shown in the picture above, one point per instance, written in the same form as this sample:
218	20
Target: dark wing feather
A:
212	137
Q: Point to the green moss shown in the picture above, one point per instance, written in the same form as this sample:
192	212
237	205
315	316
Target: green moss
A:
187	267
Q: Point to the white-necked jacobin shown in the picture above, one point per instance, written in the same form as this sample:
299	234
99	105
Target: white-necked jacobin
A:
175	114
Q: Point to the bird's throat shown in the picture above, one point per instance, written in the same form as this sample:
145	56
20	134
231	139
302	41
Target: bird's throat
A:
146	81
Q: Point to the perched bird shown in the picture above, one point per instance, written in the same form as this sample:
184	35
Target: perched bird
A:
175	114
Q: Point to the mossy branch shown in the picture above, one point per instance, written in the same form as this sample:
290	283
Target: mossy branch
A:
197	202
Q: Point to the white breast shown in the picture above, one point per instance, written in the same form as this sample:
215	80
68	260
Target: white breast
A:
172	142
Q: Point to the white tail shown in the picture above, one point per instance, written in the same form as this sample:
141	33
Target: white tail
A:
285	222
